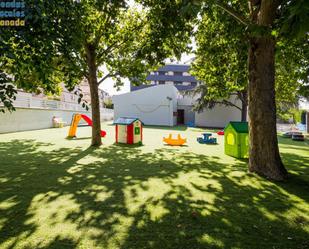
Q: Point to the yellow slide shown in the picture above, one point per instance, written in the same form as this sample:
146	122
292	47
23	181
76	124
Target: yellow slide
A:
174	141
74	124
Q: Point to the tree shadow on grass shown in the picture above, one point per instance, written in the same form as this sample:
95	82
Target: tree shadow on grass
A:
291	144
58	242
298	182
120	197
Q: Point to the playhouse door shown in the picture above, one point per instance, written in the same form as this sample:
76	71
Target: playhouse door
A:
122	134
130	134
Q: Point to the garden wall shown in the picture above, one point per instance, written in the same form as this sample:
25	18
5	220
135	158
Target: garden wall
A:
219	116
24	119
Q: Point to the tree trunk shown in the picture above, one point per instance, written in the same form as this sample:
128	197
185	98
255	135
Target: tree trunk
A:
244	106
244	110
264	152
94	93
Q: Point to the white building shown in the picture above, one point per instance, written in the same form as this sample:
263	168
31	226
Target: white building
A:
219	116
165	105
155	105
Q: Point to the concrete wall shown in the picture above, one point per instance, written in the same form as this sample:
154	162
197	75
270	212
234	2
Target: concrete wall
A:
219	116
153	106
24	119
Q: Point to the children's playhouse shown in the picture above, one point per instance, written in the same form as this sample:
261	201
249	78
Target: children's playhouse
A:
236	139
129	131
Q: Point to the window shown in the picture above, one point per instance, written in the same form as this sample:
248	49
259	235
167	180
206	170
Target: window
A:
137	131
178	82
178	73
161	73
161	82
230	139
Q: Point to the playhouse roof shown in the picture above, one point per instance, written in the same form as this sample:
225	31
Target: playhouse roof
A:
240	127
125	121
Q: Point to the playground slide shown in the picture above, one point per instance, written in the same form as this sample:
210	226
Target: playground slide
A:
89	122
75	120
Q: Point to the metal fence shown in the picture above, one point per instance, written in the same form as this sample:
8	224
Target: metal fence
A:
26	100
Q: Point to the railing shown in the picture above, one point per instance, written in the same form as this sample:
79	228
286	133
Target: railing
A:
25	100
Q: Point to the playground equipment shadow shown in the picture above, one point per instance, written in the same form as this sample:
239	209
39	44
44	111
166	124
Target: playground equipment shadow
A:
57	193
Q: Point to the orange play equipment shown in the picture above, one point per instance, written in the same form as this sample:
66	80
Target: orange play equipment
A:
74	124
174	141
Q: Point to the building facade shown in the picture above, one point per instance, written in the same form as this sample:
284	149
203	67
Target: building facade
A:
177	79
176	75
163	104
171	74
153	106
84	86
66	97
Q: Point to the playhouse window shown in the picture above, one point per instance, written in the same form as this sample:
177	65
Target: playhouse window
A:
137	131
230	139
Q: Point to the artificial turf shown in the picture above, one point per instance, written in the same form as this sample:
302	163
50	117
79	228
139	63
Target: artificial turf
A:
61	194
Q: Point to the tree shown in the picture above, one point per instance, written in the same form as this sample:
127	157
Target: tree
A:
291	72
101	32
71	40
29	58
109	34
7	93
66	41
220	62
108	103
262	20
264	152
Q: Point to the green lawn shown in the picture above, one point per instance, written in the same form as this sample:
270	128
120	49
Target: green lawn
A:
59	193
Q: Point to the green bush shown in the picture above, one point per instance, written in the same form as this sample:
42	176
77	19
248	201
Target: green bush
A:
108	104
297	115
286	115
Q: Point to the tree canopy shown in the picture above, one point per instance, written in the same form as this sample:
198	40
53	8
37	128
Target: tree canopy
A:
221	62
264	22
66	41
